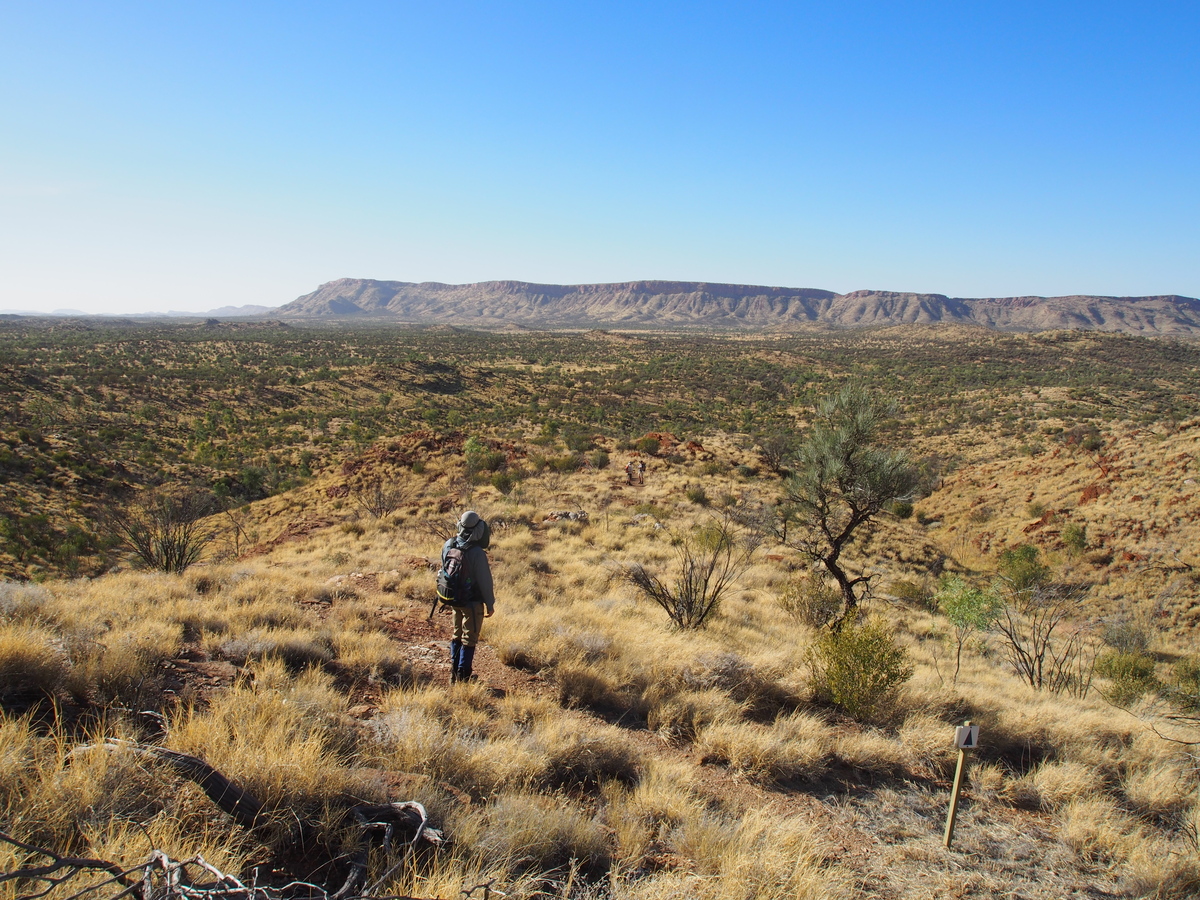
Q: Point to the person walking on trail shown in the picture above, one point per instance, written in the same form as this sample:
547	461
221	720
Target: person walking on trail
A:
629	467
473	538
641	470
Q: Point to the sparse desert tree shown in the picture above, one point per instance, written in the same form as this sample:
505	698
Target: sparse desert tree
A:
380	496
1047	647
777	451
841	481
167	531
969	608
710	560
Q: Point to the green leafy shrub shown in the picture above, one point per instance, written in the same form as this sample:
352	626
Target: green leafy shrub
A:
648	445
1184	690
1130	675
969	609
1074	538
859	668
913	593
504	482
698	495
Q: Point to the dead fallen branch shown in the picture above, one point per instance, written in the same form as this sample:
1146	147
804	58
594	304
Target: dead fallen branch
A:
61	870
162	878
396	825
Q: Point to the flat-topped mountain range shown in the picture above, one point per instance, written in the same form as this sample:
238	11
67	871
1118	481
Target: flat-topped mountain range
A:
684	303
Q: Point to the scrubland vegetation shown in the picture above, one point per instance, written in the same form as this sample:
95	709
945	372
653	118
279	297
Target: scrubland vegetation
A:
610	749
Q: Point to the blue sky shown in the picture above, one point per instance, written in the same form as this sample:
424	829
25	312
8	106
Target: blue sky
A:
191	155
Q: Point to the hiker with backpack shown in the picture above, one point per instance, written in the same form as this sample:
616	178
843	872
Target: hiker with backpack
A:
465	585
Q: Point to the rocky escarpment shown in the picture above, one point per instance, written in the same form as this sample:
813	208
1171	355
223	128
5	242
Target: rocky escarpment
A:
681	303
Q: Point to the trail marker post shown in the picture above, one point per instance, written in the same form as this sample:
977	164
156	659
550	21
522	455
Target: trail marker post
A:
966	737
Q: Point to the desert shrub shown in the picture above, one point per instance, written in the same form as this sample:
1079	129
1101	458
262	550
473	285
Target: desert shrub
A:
912	592
648	445
1125	636
481	458
166	531
599	459
1034	624
1130	675
381	496
1184	688
697	494
969	609
901	509
504	482
858	668
1074	538
570	462
811	600
710	559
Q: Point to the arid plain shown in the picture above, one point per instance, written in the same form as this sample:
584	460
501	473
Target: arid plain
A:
604	752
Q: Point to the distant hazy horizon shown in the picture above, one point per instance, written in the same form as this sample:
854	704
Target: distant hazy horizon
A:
189	157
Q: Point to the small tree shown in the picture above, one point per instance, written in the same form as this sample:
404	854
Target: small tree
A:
710	560
167	531
969	609
1034	624
379	496
842	481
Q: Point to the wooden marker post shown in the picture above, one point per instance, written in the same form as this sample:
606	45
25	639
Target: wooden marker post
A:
966	737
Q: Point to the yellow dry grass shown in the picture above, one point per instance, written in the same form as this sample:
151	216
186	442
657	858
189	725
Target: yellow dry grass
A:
651	803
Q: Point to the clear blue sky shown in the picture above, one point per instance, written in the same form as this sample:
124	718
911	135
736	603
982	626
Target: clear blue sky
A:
190	155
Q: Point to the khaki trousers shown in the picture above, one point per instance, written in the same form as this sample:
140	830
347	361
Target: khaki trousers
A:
468	622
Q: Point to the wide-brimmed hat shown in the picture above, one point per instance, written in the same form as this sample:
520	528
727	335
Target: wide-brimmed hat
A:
473	529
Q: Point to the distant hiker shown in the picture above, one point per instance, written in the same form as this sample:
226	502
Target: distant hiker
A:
629	469
641	469
473	538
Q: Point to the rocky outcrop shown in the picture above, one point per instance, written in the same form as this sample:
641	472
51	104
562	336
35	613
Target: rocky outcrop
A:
701	304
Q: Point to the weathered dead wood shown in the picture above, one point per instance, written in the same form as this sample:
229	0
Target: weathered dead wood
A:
242	806
380	821
60	870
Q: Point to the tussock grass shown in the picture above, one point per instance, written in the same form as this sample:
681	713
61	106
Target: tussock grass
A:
536	790
795	748
30	661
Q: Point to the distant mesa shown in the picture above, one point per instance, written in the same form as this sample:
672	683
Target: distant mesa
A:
645	304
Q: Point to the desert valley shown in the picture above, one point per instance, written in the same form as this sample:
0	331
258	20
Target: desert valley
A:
272	716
